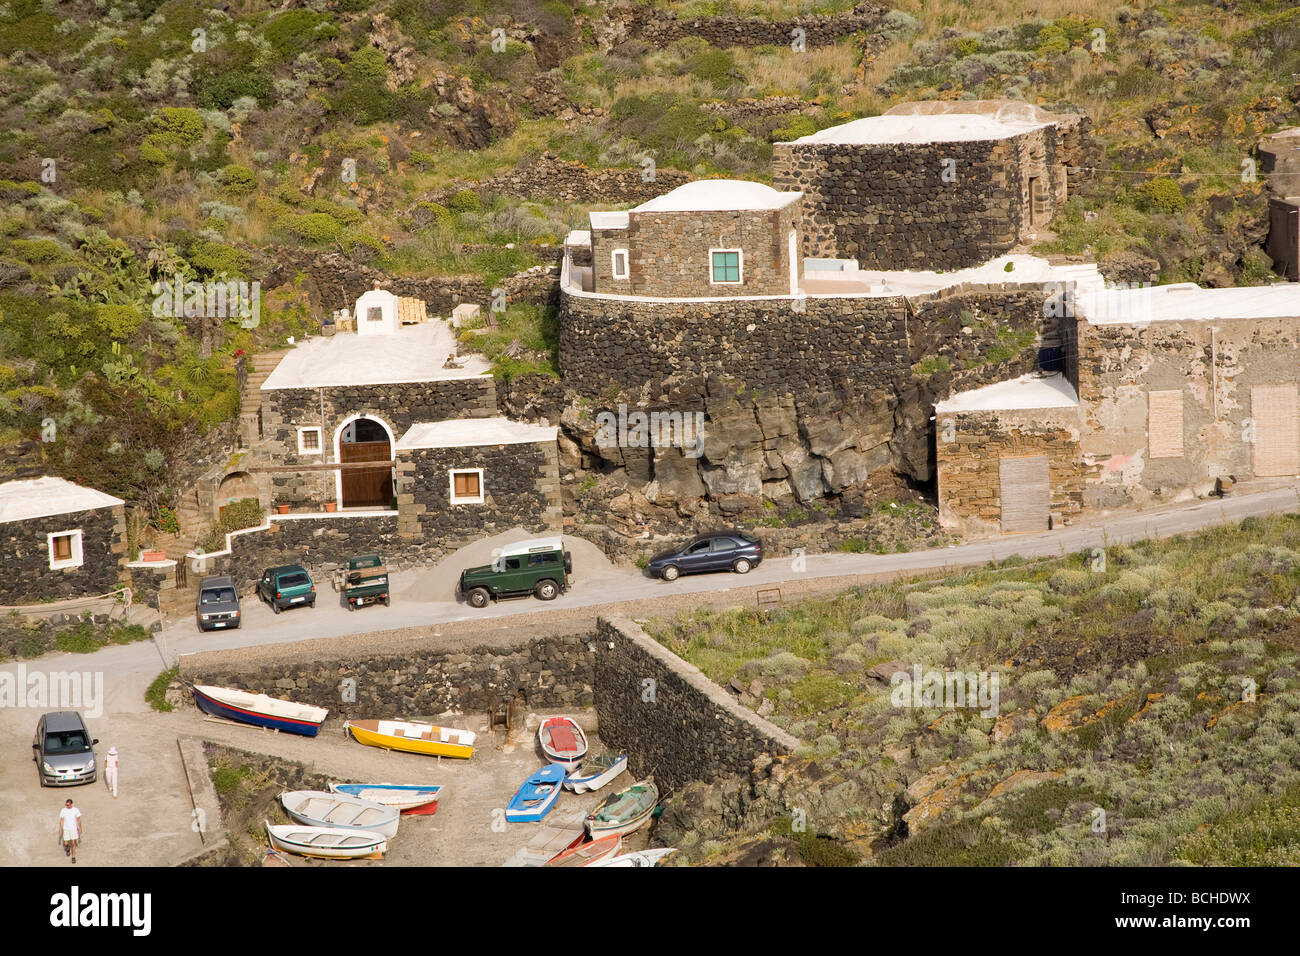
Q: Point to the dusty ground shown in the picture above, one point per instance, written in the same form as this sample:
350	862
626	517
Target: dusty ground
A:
150	822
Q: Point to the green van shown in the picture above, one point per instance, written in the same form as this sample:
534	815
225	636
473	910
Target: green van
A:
540	567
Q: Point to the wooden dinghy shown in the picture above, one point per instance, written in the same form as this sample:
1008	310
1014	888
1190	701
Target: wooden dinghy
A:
317	808
412	737
587	854
563	742
537	795
413	799
260	710
639	858
624	812
595	772
327	843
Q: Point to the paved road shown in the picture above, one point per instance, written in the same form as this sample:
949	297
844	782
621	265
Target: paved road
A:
122	717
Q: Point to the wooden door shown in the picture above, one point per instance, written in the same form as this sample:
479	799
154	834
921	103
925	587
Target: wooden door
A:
1025	488
366	487
1276	413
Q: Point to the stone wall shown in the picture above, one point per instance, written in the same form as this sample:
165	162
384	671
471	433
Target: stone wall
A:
669	252
970	497
427	678
844	377
399	406
659	27
559	180
317	543
892	206
28	578
521	487
1214	365
671	720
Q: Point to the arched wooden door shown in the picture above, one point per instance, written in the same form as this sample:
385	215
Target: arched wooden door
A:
365	439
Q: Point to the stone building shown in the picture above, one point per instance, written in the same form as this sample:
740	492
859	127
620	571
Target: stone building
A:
59	540
1169	394
714	237
386	439
938	184
1280	162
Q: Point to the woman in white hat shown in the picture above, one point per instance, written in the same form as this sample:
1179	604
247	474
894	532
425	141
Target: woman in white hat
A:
110	771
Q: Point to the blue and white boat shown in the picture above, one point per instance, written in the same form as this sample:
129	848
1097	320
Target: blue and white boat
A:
415	799
538	794
595	772
260	710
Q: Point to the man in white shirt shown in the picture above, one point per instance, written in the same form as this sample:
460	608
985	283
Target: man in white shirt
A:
70	829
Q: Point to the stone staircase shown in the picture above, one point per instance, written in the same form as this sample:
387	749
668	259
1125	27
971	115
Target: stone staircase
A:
250	409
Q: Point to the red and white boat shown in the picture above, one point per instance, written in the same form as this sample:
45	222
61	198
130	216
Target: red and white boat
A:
585	854
562	741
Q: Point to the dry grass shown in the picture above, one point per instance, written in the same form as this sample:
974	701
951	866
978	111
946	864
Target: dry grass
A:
935	15
787	73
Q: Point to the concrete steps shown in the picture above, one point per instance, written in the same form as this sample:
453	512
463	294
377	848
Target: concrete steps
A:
260	366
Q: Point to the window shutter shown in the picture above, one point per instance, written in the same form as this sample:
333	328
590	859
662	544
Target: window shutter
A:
1025	488
1276	413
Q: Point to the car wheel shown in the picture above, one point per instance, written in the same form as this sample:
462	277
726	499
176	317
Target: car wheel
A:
388	602
275	606
352	605
670	573
742	566
546	590
478	597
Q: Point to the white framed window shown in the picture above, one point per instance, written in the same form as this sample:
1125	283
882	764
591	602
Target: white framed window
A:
466	486
726	267
618	263
65	549
309	440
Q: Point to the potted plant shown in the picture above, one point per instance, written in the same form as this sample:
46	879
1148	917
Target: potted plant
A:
282	509
153	555
331	506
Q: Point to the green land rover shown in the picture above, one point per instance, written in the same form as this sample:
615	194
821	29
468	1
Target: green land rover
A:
541	567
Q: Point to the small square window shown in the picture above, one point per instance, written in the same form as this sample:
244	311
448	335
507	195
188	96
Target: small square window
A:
467	486
725	266
619	258
309	441
65	549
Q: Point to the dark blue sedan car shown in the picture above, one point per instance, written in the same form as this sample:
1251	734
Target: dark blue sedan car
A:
717	551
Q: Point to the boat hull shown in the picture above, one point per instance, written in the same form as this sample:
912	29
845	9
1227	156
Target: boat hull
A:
413	800
624	824
210	705
433	748
537	795
638	858
569	754
588	853
580	784
340	811
327	843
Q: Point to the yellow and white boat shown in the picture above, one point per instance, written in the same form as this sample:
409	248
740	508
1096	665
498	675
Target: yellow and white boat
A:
412	737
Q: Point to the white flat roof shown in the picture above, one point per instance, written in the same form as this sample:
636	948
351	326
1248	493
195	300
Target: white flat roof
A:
532	544
412	353
705	195
41	497
921	128
474	432
1027	391
1188	302
608	220
578	237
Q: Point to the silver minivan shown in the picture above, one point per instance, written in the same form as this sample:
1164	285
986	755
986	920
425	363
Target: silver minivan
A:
63	750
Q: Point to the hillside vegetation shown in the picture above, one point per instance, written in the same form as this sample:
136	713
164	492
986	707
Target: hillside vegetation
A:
148	139
1148	713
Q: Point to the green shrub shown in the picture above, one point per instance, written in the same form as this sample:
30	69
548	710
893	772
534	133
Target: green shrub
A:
156	693
238	179
1162	194
315	227
465	201
176	124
